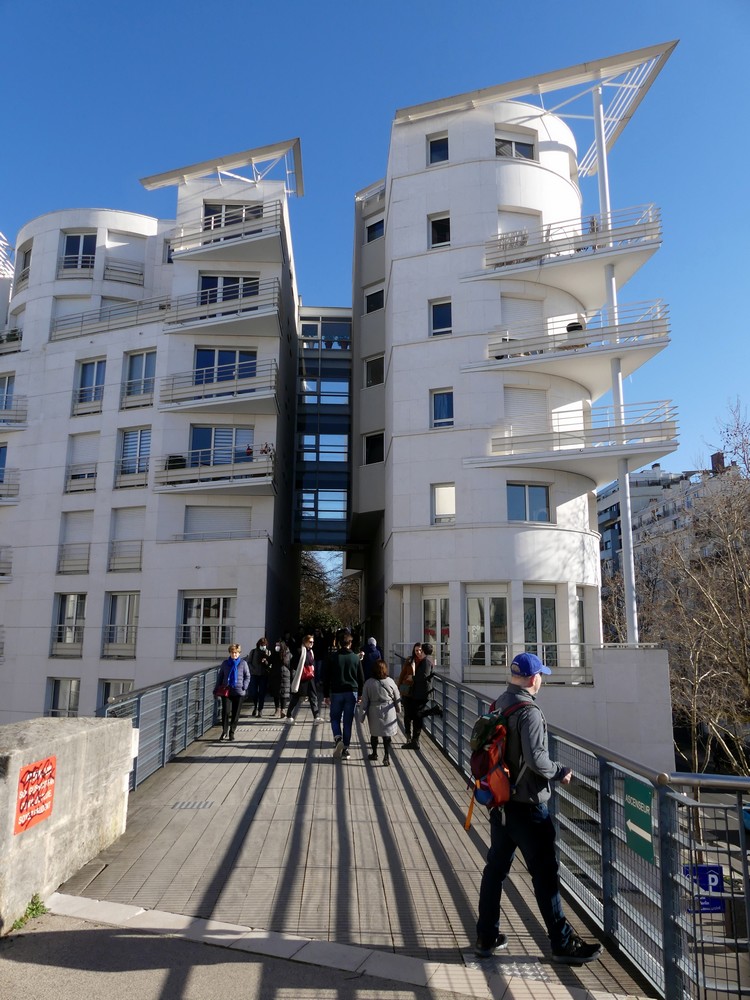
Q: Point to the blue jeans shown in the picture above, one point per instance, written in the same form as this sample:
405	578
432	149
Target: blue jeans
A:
530	829
343	704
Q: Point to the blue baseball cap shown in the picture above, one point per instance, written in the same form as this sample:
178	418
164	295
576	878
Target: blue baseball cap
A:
527	664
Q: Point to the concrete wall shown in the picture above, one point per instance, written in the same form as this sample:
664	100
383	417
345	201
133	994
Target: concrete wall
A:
91	759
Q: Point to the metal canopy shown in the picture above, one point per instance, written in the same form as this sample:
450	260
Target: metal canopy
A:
630	75
262	157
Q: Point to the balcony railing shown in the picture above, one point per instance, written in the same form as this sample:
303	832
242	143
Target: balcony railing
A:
219	534
10	340
136	392
67	640
633	324
622	229
10	484
80	478
75	265
73	557
118	641
267	222
203	642
22	280
237	380
490	662
130	271
208	466
132	472
125	556
184	310
645	424
88	399
13	410
6	561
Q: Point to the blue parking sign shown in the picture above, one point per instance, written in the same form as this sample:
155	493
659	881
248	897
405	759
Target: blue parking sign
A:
710	879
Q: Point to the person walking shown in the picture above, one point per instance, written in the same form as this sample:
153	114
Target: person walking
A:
370	655
303	682
421	692
405	682
342	689
260	668
231	686
381	705
280	677
524	823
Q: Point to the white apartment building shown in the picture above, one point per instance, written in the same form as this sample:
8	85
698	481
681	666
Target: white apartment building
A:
147	401
490	347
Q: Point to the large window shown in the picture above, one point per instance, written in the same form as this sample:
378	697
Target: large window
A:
443	503
140	369
121	625
89	390
375	230
374	448
437	149
487	630
68	625
324	504
436	627
374	300
79	251
218	216
441	317
111	689
528	502
325	447
62	696
442	407
228	288
222	365
439	231
207	622
7	387
374	371
540	628
520	148
136	451
221	445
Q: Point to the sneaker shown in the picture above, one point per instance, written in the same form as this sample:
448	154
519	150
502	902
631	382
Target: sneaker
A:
373	755
386	762
482	950
231	737
289	720
338	750
317	719
345	754
222	737
576	952
408	745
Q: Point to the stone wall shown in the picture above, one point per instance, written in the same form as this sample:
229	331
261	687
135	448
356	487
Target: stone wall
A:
63	799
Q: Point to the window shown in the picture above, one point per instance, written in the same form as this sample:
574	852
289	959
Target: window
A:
528	502
126	539
136	451
111	689
76	528
440	231
7	385
62	696
68	625
375	230
228	288
507	144
442	408
540	628
441	317
324	391
437	149
220	365
207	624
487	630
443	503
374	448
80	475
220	445
139	377
89	390
374	300
436	627
211	523
121	625
375	371
325	447
23	262
218	216
327	505
79	251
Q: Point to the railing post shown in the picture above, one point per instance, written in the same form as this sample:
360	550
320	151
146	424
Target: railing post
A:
138	727
608	875
165	723
669	862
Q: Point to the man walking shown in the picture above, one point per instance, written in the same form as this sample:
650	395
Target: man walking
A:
525	823
343	681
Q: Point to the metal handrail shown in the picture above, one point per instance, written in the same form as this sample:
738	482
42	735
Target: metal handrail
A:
73	557
125	554
71	264
616	230
171	311
267	223
10	483
13	409
117	269
207	465
222	380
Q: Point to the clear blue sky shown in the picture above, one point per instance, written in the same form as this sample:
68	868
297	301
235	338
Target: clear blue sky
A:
99	94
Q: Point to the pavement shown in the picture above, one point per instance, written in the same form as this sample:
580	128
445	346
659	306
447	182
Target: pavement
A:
265	868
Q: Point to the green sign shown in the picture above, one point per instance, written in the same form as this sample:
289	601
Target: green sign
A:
639	831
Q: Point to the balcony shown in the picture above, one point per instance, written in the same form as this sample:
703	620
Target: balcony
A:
200	310
203	642
257	237
6	563
582	347
67	641
73	557
125	556
587	442
488	663
129	271
13	411
88	399
80	478
76	265
22	280
132	472
10	484
10	340
248	387
136	392
118	642
571	254
216	471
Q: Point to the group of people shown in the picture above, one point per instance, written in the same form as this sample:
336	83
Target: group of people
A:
523	823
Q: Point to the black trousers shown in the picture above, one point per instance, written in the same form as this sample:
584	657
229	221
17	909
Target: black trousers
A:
230	712
306	689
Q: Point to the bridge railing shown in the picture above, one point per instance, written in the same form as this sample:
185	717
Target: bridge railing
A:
659	861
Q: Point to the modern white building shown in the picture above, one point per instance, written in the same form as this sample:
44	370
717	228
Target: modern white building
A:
491	339
148	374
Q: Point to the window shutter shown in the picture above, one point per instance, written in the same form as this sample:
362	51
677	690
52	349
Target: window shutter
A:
217	522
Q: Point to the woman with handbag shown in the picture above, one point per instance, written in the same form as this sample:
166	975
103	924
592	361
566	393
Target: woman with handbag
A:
303	682
419	695
405	683
260	668
231	686
381	705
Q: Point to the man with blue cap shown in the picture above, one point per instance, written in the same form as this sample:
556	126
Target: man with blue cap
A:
524	823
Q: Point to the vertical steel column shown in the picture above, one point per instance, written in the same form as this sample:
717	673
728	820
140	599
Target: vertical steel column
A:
669	866
606	826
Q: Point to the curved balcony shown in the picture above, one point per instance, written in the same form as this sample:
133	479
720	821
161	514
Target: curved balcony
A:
258	236
205	470
582	347
199	310
570	254
247	387
588	442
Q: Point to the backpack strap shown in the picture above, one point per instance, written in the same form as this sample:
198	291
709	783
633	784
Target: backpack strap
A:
509	711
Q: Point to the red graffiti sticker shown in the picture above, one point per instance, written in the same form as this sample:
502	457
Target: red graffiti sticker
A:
36	790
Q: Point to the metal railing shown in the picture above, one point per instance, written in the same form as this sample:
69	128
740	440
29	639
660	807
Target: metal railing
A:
6	560
240	380
13	410
168	717
661	870
10	340
131	271
80	477
489	662
10	484
621	229
75	265
206	465
73	557
184	309
125	555
261	220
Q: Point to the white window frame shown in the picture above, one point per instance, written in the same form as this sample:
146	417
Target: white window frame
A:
371	225
517	139
441	422
139	391
369	294
431	220
435	138
527	504
88	398
443	511
440	331
63	691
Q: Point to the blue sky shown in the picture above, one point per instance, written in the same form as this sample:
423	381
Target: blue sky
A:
98	95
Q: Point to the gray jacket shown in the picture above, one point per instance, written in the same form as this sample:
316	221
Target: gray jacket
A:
527	744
